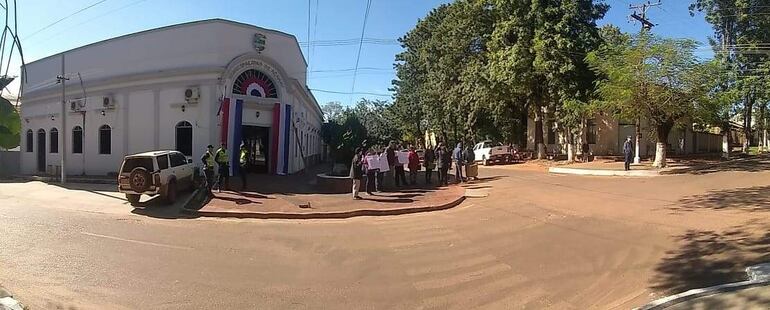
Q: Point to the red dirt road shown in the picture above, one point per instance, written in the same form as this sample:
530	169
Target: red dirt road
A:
536	241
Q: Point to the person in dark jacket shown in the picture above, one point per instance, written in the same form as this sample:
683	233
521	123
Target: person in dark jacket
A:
371	174
430	164
628	151
469	158
457	156
443	161
390	155
357	172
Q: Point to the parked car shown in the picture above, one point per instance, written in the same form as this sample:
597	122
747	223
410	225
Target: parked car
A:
489	152
154	173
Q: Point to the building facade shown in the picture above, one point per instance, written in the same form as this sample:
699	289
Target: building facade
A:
180	87
606	135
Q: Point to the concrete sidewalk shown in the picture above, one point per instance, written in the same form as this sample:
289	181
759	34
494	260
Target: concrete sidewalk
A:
297	197
251	204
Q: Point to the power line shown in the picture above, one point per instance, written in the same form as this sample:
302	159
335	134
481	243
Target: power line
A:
349	93
88	21
352	41
360	45
65	17
315	25
308	32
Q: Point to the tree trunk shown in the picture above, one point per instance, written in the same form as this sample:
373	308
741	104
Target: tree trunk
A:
539	132
749	105
523	120
726	141
637	141
570	146
764	134
660	145
761	126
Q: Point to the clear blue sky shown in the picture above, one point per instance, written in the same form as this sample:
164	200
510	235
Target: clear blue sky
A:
337	19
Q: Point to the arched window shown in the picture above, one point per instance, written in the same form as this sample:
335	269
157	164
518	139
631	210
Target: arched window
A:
77	140
105	139
54	141
254	83
30	141
184	138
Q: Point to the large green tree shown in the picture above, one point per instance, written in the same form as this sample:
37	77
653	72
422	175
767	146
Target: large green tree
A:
10	125
741	34
537	52
651	78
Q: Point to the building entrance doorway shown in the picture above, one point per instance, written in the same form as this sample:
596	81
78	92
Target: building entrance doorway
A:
257	142
41	150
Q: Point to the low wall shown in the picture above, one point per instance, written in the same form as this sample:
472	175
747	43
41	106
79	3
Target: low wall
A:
334	184
9	162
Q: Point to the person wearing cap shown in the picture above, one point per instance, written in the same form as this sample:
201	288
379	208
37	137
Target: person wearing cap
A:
628	151
243	161
223	160
208	166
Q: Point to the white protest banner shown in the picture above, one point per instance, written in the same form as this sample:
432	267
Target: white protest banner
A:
384	166
403	158
372	162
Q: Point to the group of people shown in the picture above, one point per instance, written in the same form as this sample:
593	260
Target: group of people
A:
438	158
222	159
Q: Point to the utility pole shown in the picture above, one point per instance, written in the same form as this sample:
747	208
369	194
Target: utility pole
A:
640	14
63	133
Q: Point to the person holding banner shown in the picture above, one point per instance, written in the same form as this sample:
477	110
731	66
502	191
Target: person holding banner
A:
372	163
384	168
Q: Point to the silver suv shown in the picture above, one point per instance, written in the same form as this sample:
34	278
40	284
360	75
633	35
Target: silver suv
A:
161	173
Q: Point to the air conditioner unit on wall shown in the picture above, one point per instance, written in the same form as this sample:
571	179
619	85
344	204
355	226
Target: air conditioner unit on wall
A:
77	105
108	102
192	94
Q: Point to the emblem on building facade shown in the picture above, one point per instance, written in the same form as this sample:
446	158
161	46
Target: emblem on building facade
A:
259	42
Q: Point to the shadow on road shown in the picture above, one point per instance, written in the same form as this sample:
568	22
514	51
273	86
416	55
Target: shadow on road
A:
747	164
708	258
156	207
755	198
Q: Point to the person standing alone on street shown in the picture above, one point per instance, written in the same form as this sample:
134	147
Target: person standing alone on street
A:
628	151
243	161
223	160
357	172
208	167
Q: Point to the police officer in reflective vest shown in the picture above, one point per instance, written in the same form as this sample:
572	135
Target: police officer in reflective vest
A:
244	161
223	160
208	166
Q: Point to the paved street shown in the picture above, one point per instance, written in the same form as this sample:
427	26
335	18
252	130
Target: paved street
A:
536	241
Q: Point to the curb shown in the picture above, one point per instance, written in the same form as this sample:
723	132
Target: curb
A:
598	172
328	215
48	179
759	275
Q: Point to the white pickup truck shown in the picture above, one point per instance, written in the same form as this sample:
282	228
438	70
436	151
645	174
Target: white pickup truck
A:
488	152
155	173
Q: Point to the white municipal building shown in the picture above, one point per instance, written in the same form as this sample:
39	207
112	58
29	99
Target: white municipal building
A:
180	87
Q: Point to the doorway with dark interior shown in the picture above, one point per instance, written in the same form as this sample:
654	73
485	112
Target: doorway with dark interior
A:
257	142
41	150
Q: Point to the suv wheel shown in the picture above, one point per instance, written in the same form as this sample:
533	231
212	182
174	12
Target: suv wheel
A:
133	198
139	179
170	196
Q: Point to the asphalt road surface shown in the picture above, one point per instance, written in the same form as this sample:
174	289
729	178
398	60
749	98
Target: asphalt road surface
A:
535	241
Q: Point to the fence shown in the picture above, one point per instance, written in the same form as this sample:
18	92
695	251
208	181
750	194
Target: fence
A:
707	142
